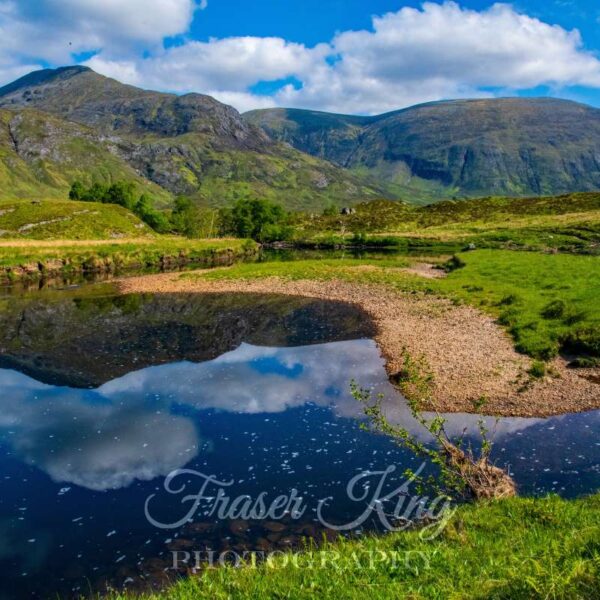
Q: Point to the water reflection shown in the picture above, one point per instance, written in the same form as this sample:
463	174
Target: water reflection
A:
107	395
106	438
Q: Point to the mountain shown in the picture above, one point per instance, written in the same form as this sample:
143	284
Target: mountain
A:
508	146
58	125
91	127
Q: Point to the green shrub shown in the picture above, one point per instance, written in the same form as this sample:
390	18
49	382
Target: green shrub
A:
538	369
508	300
584	362
454	263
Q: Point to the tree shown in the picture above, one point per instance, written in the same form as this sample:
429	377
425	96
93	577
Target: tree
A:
185	217
97	193
77	191
155	219
121	193
259	219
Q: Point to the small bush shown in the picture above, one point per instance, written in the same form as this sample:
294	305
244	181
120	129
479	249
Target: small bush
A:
585	362
538	369
454	263
535	346
573	318
508	317
583	341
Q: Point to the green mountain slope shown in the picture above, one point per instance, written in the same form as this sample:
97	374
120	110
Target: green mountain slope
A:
41	155
188	144
510	146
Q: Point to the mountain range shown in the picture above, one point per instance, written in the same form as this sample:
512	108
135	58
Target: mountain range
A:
59	125
506	146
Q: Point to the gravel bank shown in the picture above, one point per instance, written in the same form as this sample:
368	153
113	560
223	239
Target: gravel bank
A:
469	355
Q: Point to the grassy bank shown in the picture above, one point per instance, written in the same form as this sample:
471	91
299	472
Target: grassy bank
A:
548	302
513	549
68	220
19	259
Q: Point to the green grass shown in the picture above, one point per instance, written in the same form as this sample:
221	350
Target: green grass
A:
514	549
548	302
65	219
320	269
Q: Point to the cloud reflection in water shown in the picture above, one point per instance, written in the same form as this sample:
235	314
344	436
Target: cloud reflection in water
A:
130	429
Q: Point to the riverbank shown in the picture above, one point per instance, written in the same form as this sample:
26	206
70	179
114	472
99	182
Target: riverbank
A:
521	548
470	356
32	260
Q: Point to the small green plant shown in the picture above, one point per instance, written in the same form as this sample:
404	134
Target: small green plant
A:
508	300
537	369
462	470
585	362
585	340
454	263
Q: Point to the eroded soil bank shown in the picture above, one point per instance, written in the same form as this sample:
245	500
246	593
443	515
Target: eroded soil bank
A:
469	355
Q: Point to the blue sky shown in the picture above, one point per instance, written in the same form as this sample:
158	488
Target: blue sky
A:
313	21
339	55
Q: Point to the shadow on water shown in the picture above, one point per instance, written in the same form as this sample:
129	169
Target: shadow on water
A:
103	396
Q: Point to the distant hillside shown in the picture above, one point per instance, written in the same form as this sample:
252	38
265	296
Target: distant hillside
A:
188	144
511	146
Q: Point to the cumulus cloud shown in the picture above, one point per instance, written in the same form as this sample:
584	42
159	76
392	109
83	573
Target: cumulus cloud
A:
447	51
437	51
227	65
42	31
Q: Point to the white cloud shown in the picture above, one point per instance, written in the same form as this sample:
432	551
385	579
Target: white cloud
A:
230	65
138	20
53	30
410	56
441	51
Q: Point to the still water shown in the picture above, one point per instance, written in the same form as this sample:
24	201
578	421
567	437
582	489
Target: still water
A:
103	396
